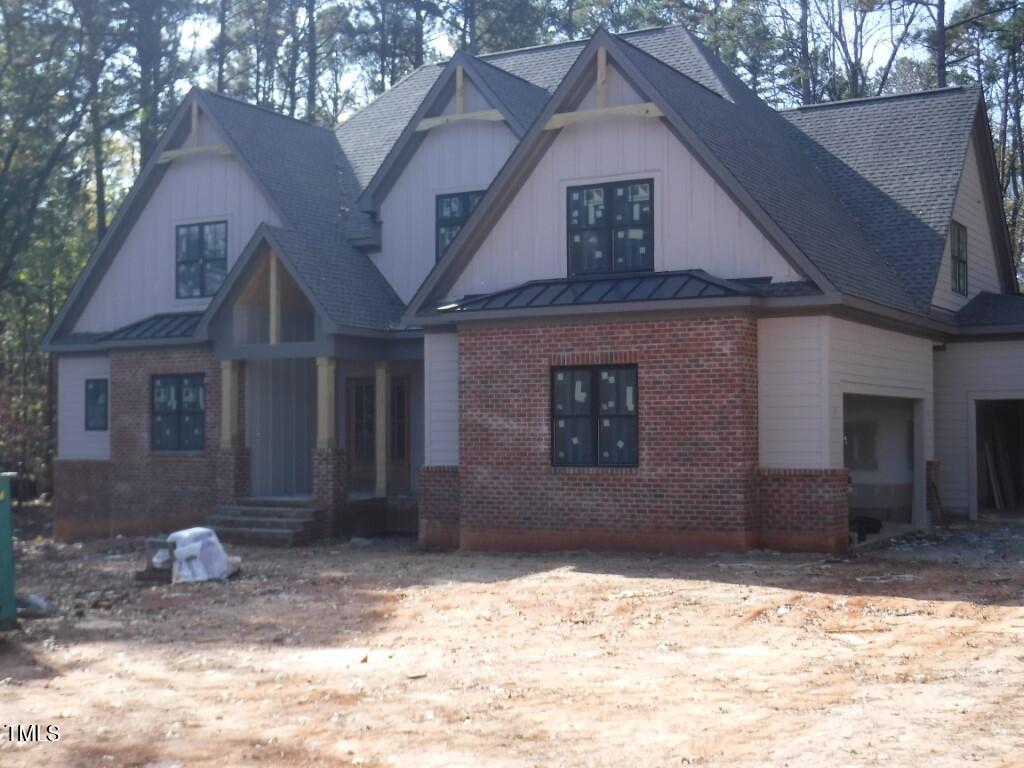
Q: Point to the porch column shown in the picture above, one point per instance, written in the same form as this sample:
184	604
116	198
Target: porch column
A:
330	463
275	299
381	425
233	457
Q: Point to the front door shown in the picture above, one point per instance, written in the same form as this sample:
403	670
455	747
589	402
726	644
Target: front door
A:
362	444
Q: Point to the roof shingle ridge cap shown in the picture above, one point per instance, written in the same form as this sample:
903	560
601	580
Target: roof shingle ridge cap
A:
574	41
262	108
883	97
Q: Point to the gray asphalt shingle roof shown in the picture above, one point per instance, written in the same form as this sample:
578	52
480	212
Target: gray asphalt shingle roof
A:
895	163
992	309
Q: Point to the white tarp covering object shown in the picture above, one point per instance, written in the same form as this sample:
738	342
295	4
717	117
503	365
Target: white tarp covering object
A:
198	556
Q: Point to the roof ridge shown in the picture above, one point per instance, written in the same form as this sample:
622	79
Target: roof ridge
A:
881	97
505	72
574	41
262	108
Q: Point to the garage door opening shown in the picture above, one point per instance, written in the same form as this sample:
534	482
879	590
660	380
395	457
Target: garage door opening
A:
882	451
999	440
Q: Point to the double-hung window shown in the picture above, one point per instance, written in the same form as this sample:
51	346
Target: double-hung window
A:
179	410
452	212
594	416
611	227
201	259
958	252
96	405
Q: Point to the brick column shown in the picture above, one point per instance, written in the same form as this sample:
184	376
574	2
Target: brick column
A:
233	475
804	510
439	507
330	490
934	505
233	458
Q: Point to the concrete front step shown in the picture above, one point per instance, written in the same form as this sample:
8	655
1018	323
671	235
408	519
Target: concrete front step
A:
291	502
284	526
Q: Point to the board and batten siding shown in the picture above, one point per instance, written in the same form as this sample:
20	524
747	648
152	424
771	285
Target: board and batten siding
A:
73	440
441	388
805	367
459	157
792	356
140	280
970	210
280	425
697	224
965	373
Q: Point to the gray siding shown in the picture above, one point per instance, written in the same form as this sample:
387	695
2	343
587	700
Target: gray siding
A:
280	425
73	441
964	373
970	211
697	224
441	390
141	278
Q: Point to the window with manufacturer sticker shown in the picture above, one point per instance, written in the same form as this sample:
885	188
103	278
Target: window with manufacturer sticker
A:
594	416
611	227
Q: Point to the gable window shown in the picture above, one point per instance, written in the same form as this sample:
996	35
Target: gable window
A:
201	259
611	227
452	212
958	252
594	416
96	405
179	410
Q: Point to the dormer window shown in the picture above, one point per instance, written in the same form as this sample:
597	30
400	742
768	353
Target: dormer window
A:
611	227
201	259
958	254
452	212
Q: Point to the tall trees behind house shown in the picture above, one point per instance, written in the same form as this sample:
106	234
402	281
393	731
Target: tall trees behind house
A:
87	88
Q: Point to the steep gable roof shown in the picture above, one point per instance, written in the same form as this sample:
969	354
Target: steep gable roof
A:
896	162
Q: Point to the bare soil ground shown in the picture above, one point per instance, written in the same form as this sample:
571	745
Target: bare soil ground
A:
377	654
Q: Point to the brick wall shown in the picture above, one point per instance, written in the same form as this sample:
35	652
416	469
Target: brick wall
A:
804	509
330	490
81	499
696	484
163	491
439	507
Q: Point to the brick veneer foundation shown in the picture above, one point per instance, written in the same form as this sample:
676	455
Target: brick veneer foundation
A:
439	507
144	491
804	510
330	490
695	488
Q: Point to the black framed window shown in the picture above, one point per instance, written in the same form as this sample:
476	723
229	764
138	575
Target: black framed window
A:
96	405
179	411
594	416
201	259
452	212
611	227
958	251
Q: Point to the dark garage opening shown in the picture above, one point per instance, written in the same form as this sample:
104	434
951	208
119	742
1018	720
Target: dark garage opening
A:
1000	456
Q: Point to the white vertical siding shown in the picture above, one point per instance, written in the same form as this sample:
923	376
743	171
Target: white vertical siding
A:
73	441
460	157
865	360
970	210
697	225
441	392
964	372
792	355
140	280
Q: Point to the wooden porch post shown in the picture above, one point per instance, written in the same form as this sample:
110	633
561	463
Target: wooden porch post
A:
275	299
230	428
381	426
326	423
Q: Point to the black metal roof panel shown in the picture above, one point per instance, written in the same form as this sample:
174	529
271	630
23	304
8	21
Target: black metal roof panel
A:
602	289
173	325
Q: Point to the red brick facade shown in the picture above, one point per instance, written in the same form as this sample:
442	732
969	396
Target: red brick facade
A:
439	507
696	484
330	490
804	509
145	491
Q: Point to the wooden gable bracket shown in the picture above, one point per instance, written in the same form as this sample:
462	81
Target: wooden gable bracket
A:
491	115
644	109
193	146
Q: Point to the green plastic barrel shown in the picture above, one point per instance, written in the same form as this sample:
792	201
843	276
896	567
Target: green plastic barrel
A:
8	614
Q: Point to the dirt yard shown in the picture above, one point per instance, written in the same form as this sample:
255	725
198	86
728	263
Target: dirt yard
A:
376	654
